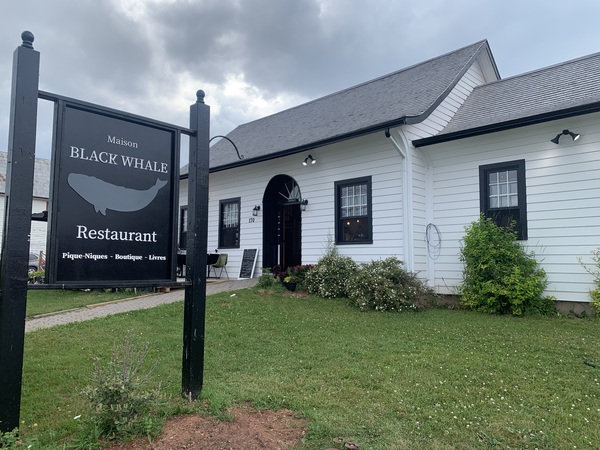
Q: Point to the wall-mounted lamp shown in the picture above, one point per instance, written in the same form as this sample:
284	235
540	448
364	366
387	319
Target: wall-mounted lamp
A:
575	136
303	204
255	210
309	160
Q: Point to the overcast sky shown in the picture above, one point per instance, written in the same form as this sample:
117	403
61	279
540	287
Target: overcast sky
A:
257	57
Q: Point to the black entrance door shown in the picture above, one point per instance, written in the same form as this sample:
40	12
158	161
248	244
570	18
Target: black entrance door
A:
290	236
282	237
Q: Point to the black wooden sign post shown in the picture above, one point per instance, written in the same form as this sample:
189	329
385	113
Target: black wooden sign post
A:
197	243
17	222
141	153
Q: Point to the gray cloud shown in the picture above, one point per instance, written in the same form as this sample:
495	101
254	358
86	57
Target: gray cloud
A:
255	57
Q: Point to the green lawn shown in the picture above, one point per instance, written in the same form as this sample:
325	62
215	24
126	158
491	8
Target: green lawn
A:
41	301
437	379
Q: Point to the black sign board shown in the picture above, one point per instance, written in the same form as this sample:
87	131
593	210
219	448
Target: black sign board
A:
248	263
112	215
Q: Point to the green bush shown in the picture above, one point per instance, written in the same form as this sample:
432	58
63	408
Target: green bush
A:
120	407
499	276
36	277
13	440
10	439
595	303
384	285
329	277
266	280
595	271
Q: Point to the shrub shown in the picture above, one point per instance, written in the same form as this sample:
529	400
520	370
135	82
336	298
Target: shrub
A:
595	303
13	440
329	277
120	406
499	276
384	285
266	280
10	439
595	271
36	277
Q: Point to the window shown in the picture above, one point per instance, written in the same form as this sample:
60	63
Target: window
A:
502	194
353	211
183	215
229	223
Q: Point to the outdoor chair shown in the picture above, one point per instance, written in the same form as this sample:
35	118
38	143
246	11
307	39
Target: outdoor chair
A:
221	264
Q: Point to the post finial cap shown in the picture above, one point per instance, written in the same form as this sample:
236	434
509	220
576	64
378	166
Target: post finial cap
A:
28	38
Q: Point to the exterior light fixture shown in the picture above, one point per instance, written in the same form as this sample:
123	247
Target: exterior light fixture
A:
309	160
303	204
255	210
574	136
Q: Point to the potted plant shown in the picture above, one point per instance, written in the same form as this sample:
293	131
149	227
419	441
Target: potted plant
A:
290	283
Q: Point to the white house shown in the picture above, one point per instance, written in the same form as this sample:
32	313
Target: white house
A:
404	162
39	204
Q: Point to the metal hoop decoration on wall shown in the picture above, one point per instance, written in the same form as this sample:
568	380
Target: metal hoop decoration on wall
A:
232	143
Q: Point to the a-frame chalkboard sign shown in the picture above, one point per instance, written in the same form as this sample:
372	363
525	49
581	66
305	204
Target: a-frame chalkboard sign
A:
248	263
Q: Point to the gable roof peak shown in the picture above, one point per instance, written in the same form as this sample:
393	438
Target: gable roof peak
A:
406	95
558	91
474	48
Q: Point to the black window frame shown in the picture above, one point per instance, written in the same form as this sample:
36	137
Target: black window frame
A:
229	238
501	215
340	219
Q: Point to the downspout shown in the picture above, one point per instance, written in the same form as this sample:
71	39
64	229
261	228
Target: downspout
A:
402	145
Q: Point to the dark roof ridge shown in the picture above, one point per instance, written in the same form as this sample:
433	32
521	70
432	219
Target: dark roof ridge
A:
540	70
480	43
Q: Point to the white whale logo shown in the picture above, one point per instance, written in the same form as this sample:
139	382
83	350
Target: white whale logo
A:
103	195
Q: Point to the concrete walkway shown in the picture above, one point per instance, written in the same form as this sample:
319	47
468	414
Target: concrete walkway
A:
119	306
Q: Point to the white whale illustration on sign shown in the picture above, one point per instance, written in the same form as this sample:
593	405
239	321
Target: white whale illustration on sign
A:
103	195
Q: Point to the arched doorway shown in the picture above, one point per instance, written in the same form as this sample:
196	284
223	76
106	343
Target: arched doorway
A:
282	222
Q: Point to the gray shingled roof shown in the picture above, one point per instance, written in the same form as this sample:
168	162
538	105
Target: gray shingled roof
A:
41	176
571	84
408	93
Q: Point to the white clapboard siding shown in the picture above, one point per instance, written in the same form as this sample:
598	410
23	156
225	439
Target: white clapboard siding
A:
373	156
336	162
448	107
41	180
38	231
422	175
563	205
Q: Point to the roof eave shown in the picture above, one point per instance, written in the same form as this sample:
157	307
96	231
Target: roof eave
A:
306	147
510	124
